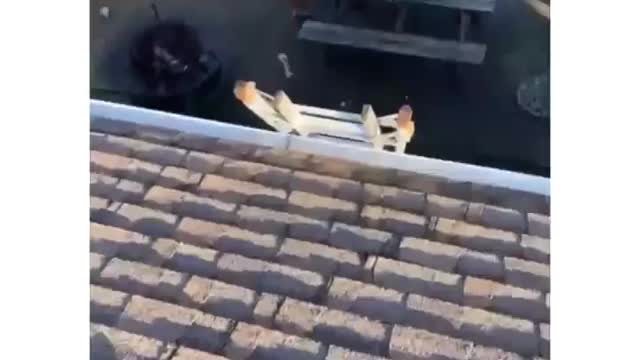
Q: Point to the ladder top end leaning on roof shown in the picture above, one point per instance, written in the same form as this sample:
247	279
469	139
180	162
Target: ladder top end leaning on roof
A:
284	115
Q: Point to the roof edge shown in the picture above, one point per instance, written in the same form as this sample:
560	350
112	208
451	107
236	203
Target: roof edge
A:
376	158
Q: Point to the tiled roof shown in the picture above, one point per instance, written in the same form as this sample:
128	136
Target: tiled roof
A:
203	248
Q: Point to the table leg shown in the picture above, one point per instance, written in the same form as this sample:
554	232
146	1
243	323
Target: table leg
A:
402	16
465	20
301	7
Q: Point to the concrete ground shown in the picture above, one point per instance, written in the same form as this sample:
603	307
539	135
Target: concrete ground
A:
472	117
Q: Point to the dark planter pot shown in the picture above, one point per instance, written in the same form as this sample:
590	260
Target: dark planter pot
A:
175	69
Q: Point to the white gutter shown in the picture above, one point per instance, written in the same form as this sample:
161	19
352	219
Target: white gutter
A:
435	167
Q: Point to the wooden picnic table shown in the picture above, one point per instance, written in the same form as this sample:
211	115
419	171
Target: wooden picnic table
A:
334	22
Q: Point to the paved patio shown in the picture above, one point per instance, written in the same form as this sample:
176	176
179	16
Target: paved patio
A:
474	118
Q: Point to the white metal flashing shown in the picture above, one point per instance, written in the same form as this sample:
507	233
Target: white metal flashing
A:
377	158
187	124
